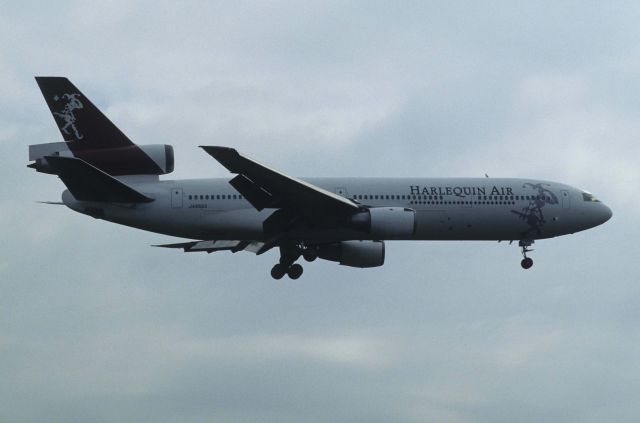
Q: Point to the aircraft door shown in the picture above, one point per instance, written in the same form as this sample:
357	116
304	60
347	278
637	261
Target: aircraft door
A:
176	198
341	191
566	199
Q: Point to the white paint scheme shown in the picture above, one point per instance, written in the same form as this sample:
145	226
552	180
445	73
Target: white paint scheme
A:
339	219
236	219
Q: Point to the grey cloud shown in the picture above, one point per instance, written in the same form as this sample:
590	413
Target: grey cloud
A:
97	326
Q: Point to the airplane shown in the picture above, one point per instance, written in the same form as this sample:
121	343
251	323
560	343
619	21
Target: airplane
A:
345	220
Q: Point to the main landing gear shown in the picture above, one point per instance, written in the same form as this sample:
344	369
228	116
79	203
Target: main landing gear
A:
288	256
526	262
279	270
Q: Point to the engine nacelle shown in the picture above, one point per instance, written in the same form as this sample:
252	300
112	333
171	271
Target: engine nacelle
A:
162	155
386	222
156	159
354	253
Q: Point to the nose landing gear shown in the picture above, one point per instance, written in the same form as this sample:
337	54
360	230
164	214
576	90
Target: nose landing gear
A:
526	262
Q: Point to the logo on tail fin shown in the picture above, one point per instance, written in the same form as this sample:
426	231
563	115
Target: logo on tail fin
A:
72	103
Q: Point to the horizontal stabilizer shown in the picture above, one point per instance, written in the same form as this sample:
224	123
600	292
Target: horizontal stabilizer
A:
88	183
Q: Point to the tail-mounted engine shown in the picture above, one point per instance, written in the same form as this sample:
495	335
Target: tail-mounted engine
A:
157	159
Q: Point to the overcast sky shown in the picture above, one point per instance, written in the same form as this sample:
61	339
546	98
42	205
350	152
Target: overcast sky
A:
97	326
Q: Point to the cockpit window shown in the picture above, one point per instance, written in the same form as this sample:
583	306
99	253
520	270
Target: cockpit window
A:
589	197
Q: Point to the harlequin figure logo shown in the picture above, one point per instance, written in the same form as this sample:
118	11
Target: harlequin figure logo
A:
532	213
72	103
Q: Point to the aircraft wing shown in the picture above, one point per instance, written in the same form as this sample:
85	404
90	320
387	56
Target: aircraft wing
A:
213	246
264	187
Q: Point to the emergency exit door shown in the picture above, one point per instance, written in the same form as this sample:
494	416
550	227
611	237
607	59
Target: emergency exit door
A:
176	198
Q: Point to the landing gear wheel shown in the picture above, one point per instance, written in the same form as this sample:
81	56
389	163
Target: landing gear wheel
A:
295	271
310	255
524	244
278	271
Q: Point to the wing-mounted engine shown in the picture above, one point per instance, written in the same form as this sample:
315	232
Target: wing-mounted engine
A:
354	253
386	222
156	159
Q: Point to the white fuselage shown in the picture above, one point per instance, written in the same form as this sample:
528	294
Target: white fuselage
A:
445	208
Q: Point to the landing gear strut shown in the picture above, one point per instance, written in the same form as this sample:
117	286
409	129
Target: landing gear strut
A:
526	262
288	256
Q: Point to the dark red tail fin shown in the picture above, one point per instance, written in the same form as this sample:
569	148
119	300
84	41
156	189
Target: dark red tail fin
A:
82	125
92	137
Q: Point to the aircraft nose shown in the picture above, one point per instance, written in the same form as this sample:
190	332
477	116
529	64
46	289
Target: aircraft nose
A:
605	213
593	215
